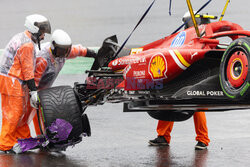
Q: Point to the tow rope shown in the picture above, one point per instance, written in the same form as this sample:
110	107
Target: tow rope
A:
143	16
202	7
170	4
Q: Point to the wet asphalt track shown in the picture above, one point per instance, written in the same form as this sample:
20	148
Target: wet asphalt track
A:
120	139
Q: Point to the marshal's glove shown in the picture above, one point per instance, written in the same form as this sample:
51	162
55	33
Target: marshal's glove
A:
33	93
34	99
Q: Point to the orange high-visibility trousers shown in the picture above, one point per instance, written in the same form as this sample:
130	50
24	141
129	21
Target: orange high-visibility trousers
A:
12	129
164	128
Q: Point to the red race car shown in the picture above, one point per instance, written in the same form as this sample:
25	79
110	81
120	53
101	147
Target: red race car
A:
170	79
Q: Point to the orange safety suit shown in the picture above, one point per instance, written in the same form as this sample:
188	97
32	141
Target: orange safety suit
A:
48	68
16	67
164	128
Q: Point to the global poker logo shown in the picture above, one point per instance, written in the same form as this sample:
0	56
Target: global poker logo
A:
179	40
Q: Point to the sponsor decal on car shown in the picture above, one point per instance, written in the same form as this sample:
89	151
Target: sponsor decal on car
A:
126	70
194	54
115	62
126	61
135	51
132	92
139	74
205	93
179	40
158	66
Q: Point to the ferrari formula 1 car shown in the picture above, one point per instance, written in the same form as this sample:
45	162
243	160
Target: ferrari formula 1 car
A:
170	79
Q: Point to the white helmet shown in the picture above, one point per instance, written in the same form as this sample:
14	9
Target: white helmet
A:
188	20
60	43
37	24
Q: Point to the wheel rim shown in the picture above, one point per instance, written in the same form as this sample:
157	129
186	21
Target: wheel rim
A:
237	69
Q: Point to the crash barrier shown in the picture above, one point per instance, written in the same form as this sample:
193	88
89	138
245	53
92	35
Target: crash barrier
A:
75	66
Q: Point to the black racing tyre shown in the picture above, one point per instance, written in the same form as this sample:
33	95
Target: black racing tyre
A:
171	115
60	102
234	69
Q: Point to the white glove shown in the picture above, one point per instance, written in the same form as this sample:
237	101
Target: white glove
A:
17	148
33	99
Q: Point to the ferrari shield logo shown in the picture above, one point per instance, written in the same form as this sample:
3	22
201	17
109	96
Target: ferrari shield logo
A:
158	66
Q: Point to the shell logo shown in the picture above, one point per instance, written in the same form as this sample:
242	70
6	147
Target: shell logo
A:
158	66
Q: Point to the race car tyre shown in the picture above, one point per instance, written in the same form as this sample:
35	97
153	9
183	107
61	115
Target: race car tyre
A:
234	69
60	102
171	115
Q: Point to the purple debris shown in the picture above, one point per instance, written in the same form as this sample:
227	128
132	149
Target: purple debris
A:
59	127
30	143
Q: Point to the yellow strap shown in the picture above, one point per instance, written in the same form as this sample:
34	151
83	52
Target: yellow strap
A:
190	8
224	10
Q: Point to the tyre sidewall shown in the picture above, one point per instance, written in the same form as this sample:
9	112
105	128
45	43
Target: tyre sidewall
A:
243	91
